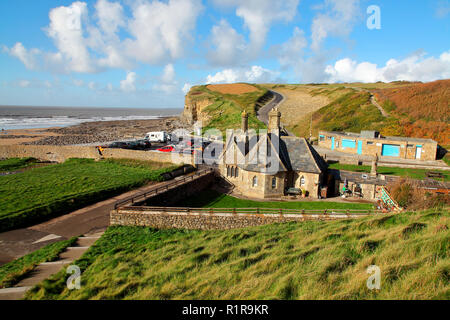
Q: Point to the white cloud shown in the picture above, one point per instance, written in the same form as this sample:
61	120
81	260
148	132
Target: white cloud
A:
129	84
338	20
413	68
255	74
66	29
258	16
186	88
28	57
161	30
24	83
92	85
167	81
229	46
290	52
158	32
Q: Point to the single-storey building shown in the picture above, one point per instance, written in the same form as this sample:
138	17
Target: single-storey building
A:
372	143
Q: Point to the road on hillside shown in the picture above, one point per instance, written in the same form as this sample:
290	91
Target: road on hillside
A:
263	113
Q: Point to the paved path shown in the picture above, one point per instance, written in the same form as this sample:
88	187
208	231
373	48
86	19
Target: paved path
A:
17	243
263	113
47	269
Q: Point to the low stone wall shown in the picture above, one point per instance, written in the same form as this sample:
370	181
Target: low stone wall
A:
184	191
62	153
205	221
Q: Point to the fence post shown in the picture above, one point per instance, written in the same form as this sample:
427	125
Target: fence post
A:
281	212
257	210
234	211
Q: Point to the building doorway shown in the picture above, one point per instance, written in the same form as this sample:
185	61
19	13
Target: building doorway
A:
418	152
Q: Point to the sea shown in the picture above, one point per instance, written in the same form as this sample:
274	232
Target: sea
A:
18	117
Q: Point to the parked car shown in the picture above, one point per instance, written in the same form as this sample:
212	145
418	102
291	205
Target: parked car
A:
167	149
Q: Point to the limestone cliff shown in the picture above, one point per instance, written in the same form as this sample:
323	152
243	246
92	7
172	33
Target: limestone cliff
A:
193	108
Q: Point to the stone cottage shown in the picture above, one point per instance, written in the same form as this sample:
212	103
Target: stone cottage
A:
268	165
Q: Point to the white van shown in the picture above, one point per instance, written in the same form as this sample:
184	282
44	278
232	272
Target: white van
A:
161	136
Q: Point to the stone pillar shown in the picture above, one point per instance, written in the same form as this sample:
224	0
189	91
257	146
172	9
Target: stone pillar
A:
373	171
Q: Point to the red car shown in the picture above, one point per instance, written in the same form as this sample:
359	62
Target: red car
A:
167	149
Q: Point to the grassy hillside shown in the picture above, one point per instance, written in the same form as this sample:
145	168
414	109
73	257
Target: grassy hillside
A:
309	260
214	199
415	109
226	109
42	193
423	109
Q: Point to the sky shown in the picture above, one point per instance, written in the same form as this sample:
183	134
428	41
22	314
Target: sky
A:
147	54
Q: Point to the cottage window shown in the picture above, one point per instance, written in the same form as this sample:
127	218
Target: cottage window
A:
274	183
228	171
321	138
302	181
232	172
236	172
255	181
369	143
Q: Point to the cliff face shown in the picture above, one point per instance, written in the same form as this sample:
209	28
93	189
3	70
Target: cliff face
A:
193	109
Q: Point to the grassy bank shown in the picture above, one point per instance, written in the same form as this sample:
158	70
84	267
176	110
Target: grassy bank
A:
12	272
309	260
225	110
42	193
16	164
214	199
402	172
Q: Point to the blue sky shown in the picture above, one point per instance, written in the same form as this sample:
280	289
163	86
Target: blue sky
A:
142	53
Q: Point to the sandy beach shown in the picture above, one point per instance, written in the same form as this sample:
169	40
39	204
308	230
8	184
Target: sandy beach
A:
89	132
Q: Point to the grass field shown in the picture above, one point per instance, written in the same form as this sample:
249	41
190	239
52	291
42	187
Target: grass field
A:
214	199
42	193
11	273
308	260
402	172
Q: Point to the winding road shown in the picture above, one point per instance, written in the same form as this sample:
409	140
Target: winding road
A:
263	113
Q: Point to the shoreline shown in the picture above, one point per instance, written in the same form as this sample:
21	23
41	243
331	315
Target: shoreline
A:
89	132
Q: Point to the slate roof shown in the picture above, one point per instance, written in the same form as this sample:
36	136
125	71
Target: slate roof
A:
290	153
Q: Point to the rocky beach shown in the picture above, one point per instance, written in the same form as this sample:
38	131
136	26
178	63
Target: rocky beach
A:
90	132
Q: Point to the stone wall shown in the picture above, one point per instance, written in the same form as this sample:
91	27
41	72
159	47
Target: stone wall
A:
184	191
62	153
205	221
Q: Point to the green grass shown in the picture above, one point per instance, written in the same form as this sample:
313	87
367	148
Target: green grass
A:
225	111
214	199
12	272
307	260
43	193
16	164
402	172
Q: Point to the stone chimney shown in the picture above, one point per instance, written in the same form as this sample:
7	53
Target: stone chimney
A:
373	171
274	121
244	125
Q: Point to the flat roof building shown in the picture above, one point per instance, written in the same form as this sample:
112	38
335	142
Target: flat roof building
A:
373	143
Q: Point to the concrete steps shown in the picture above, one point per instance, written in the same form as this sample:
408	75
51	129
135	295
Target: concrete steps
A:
47	269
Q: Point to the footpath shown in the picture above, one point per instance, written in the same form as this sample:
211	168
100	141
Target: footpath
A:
47	269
